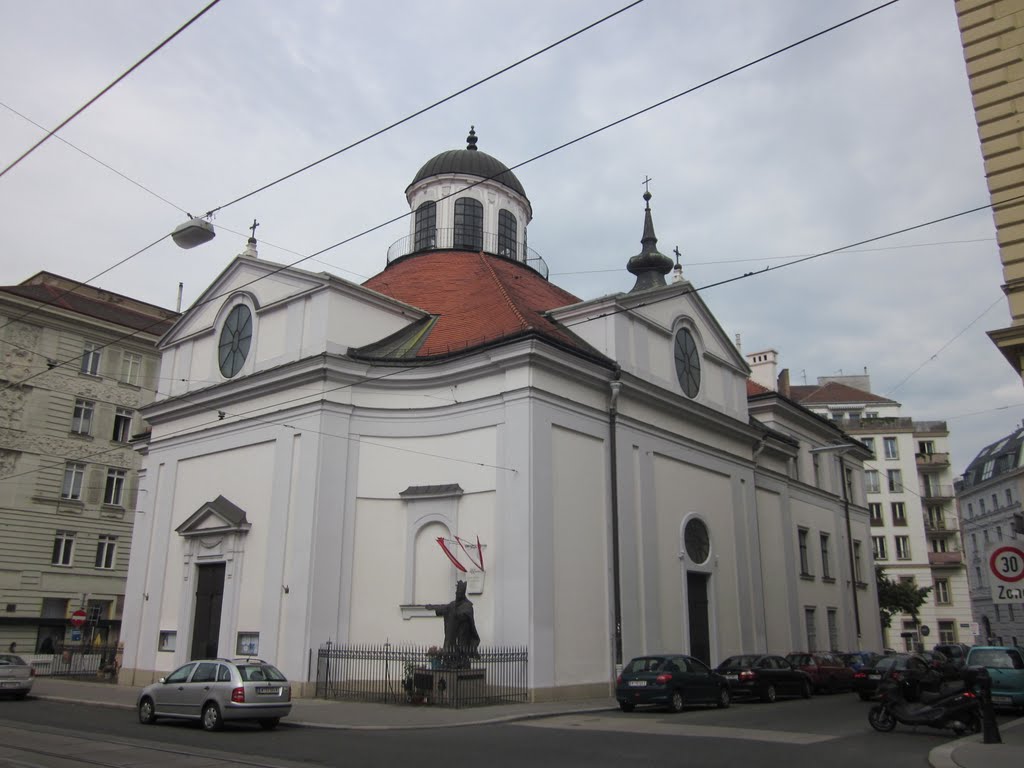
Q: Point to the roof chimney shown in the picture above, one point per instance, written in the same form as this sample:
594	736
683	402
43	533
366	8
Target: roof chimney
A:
784	382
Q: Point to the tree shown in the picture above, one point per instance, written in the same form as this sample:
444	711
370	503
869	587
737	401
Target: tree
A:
896	597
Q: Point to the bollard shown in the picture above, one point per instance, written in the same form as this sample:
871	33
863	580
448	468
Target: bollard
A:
980	682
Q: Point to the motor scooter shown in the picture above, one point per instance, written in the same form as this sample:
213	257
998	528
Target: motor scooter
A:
954	706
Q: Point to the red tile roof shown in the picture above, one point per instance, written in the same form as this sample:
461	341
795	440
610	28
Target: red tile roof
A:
833	392
476	299
753	388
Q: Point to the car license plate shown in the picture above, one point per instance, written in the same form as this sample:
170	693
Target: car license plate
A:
1001	699
9	684
732	677
266	689
637	683
874	677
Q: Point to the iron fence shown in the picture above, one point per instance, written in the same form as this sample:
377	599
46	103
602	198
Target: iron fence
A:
417	674
96	662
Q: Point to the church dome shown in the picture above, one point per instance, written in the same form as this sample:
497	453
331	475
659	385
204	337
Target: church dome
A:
469	161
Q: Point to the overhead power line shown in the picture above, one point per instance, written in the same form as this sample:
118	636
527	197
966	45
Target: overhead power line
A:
95	98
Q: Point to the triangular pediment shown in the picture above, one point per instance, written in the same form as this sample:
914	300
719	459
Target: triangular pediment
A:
217	516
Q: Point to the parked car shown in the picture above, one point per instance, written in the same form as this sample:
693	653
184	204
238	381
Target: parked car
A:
955	652
941	663
16	675
1005	665
912	668
856	660
765	677
214	691
670	680
828	672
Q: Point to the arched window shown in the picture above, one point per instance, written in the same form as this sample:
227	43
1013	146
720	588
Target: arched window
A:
507	235
426	226
469	224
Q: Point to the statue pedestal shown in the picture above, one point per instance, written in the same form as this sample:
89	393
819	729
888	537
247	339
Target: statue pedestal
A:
452	687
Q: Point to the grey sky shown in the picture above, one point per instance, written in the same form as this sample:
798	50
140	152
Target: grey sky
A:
859	133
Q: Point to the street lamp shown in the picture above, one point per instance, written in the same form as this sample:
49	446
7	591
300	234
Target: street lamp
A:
193	232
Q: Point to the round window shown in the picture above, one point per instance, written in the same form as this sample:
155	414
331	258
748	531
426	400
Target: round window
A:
687	362
235	339
697	541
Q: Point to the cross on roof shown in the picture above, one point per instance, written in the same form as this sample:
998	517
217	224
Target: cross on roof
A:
647	181
253	228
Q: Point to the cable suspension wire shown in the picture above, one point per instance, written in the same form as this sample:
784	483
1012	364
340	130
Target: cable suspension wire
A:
95	98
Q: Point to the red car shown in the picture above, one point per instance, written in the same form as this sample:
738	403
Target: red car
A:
828	672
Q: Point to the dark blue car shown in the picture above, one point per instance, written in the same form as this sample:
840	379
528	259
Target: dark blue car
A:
670	680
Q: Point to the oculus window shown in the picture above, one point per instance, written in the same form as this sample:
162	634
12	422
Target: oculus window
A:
687	362
469	224
235	340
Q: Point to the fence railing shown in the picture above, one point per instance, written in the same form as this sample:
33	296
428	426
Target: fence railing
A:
98	662
417	674
440	239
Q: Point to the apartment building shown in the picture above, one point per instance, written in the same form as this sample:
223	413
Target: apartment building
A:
989	499
915	533
76	364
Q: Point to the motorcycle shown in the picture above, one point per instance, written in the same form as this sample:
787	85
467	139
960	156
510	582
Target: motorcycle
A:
954	707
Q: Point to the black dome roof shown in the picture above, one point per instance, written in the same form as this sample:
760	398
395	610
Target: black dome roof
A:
470	161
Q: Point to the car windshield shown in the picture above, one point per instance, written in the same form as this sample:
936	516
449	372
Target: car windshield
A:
259	672
800	659
738	662
998	658
645	664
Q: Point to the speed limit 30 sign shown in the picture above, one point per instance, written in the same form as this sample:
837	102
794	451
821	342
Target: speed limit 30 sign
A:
1006	564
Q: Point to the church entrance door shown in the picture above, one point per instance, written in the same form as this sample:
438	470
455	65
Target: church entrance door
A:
206	623
697	605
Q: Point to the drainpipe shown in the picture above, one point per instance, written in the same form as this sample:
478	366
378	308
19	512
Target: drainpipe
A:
615	386
758	449
849	545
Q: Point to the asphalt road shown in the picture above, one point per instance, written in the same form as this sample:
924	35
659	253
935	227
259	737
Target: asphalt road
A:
824	730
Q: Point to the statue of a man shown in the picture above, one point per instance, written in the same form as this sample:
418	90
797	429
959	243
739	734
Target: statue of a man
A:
460	634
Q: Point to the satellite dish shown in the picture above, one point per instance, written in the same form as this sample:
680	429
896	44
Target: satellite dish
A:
193	232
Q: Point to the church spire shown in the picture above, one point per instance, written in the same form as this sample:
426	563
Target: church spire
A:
649	266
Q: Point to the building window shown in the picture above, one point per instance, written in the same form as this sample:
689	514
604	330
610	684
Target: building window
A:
105	551
926	447
878	548
812	633
871	481
939	545
469	224
902	547
895	480
869	443
986	471
73	474
131	368
507	234
1018	525
936	520
81	419
875	508
984	534
816	466
899	513
947	632
981	506
1009	497
891	451
114	489
970	510
63	548
91	359
857	577
248	644
910	641
999	533
942	592
122	425
833	629
805	560
168	640
826	565
426	226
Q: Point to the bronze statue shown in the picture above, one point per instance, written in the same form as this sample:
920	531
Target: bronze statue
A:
460	636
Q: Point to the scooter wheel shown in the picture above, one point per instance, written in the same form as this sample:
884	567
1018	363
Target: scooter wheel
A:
881	719
972	724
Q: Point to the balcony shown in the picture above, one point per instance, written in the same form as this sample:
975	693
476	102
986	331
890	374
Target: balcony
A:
947	559
932	459
452	239
941	527
936	492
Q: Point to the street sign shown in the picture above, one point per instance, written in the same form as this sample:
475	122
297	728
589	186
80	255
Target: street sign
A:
1006	566
925	630
78	618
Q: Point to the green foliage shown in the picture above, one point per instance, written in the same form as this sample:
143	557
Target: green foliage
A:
895	597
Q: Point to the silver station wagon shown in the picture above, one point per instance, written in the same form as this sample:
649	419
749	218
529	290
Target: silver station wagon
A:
215	691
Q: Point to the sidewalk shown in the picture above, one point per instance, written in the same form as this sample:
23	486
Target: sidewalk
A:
970	752
321	713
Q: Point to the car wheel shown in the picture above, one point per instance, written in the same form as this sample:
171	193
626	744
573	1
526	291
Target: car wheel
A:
805	691
269	723
211	717
881	719
768	694
676	702
724	698
627	706
147	714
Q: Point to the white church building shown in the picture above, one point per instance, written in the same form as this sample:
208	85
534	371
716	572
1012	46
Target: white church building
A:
630	490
